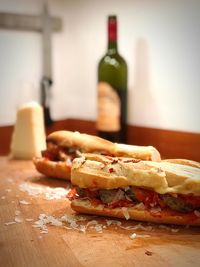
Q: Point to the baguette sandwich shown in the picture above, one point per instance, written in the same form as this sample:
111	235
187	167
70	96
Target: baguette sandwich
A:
64	146
159	192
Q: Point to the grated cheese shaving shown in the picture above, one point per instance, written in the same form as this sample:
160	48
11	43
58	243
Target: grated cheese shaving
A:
93	222
125	213
83	228
29	220
70	218
161	226
99	228
138	227
9	223
109	222
133	236
48	192
44	232
24	202
197	213
18	219
140	206
155	209
173	230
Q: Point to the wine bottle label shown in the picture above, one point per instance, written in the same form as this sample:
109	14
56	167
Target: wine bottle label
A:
109	106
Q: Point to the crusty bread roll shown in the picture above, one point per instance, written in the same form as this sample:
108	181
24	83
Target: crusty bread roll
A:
49	168
98	171
69	140
138	152
184	162
169	192
84	142
90	143
72	144
164	216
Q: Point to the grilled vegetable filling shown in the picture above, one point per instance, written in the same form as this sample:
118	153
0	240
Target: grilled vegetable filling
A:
131	196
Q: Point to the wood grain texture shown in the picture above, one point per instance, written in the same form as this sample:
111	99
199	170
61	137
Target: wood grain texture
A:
171	144
22	245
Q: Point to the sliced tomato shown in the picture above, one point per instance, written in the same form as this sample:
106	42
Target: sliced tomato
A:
48	155
72	194
148	197
120	203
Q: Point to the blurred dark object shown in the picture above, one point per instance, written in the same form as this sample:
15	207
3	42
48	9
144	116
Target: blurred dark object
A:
112	90
10	21
46	82
45	96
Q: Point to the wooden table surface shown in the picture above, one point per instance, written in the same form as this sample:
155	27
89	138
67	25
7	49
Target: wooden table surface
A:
78	240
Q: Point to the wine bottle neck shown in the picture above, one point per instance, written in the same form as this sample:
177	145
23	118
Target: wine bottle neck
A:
112	33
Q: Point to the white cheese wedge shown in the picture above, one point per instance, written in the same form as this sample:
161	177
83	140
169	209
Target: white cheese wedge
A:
28	137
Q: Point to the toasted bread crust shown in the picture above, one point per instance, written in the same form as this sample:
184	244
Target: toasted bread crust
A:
162	177
54	169
84	142
186	162
91	143
138	152
97	171
165	216
88	144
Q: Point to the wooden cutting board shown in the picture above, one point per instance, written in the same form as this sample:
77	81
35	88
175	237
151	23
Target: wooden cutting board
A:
79	241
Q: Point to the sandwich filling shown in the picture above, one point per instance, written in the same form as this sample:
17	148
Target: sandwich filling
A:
55	152
140	198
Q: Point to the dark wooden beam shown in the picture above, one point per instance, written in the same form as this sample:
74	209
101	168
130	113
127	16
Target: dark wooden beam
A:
11	21
171	144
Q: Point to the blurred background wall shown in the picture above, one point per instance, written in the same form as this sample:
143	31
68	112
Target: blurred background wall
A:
159	39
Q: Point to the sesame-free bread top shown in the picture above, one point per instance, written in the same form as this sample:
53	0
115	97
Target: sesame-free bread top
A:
184	162
91	143
97	171
138	152
82	141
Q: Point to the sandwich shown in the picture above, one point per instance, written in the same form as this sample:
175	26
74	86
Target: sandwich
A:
159	192
64	146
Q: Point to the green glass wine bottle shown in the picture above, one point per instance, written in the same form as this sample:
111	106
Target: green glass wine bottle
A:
112	90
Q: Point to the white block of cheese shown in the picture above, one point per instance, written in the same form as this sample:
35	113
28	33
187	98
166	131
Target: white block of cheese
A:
28	137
